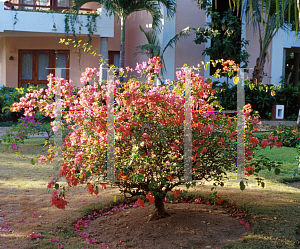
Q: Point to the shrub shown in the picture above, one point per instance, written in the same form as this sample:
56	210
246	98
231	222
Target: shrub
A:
261	97
8	96
149	150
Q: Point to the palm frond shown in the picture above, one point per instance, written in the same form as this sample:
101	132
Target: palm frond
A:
182	34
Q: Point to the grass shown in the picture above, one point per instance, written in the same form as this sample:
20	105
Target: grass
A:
16	168
277	204
286	155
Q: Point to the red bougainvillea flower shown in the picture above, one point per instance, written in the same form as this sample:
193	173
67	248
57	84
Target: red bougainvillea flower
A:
254	141
150	197
264	143
247	173
140	202
219	201
177	192
58	200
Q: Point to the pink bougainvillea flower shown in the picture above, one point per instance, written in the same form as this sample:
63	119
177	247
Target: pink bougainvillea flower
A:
247	225
198	200
54	239
103	245
34	215
34	235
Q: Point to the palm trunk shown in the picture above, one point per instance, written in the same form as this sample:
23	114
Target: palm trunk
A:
122	48
258	70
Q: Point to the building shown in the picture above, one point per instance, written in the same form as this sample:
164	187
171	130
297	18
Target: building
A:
29	42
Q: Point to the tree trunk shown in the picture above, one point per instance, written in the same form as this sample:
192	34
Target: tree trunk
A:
122	46
258	70
160	211
296	70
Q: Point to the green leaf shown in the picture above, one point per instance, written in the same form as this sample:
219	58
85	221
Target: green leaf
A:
277	171
88	173
32	161
56	186
242	185
134	179
141	177
114	198
263	184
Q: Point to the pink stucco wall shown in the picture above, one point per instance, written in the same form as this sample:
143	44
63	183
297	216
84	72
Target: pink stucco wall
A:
253	49
186	51
114	42
133	36
14	43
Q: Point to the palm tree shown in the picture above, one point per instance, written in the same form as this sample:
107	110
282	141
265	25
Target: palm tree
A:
123	8
267	18
290	4
153	48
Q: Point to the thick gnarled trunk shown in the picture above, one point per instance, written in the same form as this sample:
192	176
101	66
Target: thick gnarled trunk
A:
160	211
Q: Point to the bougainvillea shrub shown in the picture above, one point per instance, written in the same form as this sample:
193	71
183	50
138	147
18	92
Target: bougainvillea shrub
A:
149	134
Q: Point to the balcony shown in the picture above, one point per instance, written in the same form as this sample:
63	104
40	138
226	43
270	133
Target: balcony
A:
43	5
48	17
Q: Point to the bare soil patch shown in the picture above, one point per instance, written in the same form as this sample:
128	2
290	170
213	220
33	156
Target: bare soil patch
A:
19	206
188	226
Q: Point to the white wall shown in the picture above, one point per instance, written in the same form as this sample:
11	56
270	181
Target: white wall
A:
282	40
43	22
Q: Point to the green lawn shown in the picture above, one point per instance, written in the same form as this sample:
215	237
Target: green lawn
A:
286	155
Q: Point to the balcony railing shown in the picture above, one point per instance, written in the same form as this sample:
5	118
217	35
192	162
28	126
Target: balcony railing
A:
43	5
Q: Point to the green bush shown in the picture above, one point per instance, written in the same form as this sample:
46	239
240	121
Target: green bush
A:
288	135
261	97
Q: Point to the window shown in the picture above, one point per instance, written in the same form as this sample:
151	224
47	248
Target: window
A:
114	58
33	65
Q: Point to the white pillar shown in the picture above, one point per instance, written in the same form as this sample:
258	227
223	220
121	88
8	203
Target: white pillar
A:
167	33
207	45
104	53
